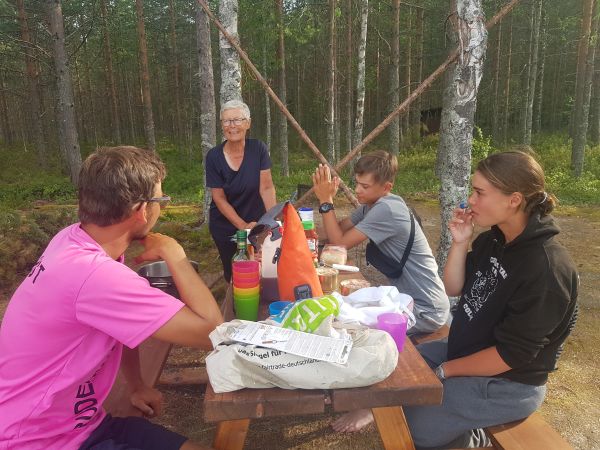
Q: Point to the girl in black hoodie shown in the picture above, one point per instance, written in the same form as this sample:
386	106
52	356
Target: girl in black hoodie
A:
518	292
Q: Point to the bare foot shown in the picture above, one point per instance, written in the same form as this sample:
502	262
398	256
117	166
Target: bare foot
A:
353	421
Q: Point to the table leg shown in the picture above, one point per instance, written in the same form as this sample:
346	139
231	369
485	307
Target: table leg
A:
231	434
393	428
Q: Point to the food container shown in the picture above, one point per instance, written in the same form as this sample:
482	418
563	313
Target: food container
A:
328	278
158	275
347	287
334	254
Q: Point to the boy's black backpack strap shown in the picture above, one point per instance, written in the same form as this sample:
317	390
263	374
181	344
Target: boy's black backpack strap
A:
385	264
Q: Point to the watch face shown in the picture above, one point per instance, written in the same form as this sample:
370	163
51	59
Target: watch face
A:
325	207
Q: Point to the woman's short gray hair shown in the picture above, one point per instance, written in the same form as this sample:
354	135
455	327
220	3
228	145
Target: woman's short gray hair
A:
236	104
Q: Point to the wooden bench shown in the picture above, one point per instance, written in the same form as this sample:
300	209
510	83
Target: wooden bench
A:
531	433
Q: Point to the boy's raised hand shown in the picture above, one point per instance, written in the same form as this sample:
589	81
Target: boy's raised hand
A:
325	186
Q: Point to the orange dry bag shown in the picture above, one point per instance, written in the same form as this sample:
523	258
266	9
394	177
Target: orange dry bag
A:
296	274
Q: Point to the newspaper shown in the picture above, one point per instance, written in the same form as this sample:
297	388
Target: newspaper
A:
322	348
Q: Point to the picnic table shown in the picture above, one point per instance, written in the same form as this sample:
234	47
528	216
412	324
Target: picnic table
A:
412	383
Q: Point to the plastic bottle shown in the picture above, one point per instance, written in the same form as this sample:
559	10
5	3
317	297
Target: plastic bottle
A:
241	237
270	255
312	238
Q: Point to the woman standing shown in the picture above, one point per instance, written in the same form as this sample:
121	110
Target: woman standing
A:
238	173
518	289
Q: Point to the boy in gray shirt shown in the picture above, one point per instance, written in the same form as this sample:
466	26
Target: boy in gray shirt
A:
386	220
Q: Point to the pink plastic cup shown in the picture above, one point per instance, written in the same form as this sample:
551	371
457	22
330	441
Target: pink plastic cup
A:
246	284
395	324
245	266
246	275
251	278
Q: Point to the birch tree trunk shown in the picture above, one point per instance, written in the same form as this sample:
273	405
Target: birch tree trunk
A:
394	94
282	121
145	78
360	75
537	10
208	114
330	117
110	75
581	124
231	72
459	105
67	129
32	86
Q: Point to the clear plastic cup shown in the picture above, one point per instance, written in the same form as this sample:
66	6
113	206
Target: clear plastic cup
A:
395	325
306	214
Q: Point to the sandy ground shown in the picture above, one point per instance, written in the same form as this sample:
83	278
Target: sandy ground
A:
571	405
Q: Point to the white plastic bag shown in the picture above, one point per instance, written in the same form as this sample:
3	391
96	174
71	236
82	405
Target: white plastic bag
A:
232	366
364	305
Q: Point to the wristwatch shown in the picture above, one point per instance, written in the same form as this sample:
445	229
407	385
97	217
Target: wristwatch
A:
439	372
326	207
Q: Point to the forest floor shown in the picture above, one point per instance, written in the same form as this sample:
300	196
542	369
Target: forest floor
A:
571	404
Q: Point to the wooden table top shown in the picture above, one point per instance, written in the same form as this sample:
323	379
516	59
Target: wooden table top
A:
412	383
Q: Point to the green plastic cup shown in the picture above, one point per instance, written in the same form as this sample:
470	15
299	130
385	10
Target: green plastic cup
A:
246	307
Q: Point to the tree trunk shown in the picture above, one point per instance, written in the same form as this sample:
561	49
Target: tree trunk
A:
582	116
407	79
582	52
394	94
131	116
348	99
176	76
32	85
460	102
145	78
330	116
231	73
208	114
533	73
418	103
595	102
496	102
282	121
7	133
110	76
539	100
267	100
68	140
80	94
360	75
506	92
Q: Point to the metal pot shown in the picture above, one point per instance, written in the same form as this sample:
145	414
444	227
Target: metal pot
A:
159	276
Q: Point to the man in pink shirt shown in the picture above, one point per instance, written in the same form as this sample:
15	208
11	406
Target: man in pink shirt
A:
81	313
